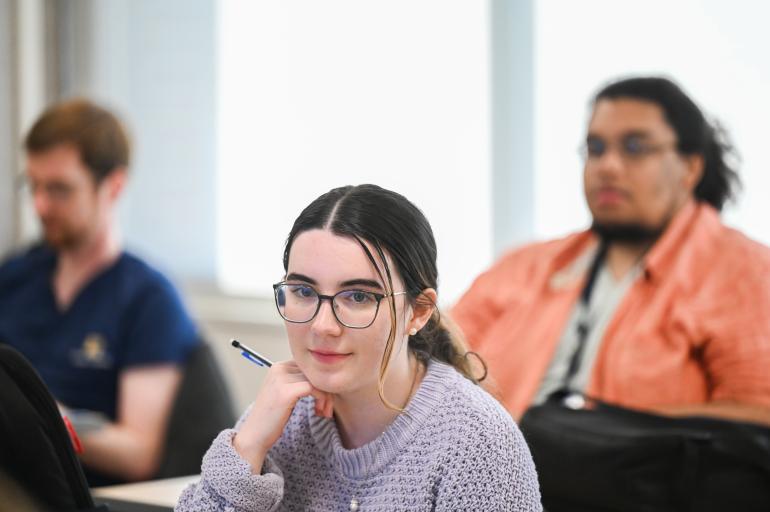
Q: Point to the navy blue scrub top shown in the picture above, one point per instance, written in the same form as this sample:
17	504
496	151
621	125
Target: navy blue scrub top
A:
129	315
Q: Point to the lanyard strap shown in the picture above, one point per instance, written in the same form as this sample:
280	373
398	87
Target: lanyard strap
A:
583	327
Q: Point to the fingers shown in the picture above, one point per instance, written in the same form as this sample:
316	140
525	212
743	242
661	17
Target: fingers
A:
324	402
286	376
284	385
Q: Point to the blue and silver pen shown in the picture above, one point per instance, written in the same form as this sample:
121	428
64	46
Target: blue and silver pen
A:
252	355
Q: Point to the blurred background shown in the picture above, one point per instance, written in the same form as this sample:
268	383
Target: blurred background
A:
243	111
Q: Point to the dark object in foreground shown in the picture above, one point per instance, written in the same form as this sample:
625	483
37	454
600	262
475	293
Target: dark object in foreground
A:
607	458
36	451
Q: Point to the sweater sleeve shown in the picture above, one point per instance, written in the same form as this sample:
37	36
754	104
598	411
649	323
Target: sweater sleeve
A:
491	471
228	485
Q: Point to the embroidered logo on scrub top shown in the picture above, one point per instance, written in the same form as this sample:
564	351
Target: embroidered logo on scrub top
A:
93	353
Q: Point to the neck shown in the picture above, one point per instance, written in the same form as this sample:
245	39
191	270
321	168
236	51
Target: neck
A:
622	257
362	417
75	266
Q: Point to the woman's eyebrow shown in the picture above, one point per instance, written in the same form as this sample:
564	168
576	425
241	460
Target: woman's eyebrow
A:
299	277
370	283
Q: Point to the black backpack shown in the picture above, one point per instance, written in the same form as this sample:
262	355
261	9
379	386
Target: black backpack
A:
36	451
604	458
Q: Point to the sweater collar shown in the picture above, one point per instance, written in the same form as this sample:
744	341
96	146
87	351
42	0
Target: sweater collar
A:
374	456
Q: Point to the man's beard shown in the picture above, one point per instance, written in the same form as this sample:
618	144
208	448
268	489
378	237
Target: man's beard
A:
628	233
61	238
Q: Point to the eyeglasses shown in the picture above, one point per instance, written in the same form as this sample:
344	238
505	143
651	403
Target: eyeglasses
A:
631	148
55	191
300	303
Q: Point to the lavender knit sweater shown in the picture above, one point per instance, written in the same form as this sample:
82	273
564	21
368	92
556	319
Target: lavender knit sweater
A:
456	449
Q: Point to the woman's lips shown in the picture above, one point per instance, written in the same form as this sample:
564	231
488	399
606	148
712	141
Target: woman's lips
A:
328	357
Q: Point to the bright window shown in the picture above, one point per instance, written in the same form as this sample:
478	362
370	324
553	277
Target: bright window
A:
717	51
315	95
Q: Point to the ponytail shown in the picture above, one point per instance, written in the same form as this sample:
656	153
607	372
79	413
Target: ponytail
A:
442	340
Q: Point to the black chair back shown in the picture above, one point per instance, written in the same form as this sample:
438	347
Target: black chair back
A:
203	408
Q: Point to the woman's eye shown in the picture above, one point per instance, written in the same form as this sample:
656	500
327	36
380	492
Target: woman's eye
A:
304	292
357	297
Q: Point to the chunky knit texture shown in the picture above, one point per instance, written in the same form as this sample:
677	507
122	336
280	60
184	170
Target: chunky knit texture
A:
454	448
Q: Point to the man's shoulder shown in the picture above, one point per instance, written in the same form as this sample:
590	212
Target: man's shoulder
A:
723	250
21	263
139	286
141	273
30	255
161	327
545	252
716	257
551	246
740	245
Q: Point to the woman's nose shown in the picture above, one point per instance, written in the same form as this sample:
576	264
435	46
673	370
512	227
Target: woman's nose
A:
325	322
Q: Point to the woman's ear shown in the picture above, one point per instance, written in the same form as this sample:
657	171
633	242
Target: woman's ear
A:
423	308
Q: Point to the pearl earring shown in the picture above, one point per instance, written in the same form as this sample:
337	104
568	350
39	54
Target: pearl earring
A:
412	331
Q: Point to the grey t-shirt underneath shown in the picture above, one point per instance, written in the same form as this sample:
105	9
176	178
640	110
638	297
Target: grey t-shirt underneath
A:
605	297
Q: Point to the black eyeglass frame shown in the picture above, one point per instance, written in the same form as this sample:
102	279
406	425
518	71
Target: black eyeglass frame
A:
643	150
330	298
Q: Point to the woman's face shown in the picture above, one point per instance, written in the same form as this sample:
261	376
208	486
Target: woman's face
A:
335	358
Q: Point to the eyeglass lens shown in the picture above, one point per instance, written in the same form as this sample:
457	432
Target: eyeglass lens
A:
300	303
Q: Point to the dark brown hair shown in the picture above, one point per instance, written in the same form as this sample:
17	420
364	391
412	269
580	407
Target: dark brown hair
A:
97	134
393	225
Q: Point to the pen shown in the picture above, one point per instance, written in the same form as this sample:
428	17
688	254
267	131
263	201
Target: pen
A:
252	355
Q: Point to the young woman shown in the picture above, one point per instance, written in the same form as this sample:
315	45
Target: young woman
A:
379	409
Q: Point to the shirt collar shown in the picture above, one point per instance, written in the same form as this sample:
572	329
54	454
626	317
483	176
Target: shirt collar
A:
692	227
692	224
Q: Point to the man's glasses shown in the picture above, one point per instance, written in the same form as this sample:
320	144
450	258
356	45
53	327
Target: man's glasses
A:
56	191
631	148
300	303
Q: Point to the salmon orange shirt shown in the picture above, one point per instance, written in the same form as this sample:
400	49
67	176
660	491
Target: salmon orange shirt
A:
695	327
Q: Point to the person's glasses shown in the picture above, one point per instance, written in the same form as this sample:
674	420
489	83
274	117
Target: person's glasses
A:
55	191
300	303
631	148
